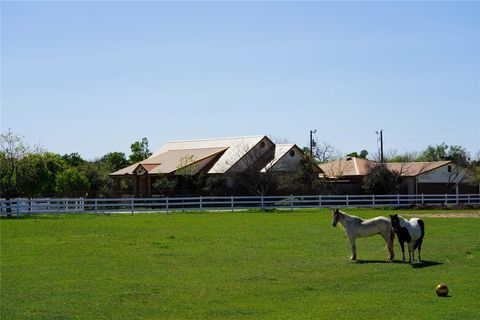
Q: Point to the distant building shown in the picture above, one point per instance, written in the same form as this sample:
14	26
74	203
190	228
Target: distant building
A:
220	157
437	177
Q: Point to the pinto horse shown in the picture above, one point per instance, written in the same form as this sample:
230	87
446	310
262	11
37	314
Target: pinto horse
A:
411	232
359	228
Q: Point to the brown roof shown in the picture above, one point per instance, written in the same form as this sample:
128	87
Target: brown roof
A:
413	169
346	167
359	167
171	160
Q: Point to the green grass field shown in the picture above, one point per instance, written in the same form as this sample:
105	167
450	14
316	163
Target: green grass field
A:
242	265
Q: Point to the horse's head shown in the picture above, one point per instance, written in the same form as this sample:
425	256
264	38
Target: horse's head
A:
336	215
395	222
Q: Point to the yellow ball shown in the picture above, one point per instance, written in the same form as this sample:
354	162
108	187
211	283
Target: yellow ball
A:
442	290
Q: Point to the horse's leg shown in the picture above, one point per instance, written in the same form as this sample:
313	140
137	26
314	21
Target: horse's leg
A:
419	244
388	239
410	247
353	247
414	244
392	239
403	250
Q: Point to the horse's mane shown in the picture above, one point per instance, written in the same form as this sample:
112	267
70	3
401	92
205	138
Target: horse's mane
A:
401	218
351	216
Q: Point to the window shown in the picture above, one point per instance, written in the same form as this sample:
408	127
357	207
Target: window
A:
292	153
449	168
262	144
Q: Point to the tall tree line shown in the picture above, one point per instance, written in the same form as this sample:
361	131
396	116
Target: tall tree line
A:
31	171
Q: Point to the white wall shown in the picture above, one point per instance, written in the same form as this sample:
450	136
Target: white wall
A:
288	162
441	175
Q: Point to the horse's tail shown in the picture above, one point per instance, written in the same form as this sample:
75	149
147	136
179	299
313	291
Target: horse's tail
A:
422	233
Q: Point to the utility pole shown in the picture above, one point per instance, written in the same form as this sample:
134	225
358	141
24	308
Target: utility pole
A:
381	145
312	142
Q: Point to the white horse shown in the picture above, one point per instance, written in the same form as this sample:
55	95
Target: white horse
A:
358	228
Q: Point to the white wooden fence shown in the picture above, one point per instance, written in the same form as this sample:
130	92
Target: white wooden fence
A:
21	206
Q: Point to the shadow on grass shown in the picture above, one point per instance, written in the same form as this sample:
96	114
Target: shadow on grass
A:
376	261
415	265
425	264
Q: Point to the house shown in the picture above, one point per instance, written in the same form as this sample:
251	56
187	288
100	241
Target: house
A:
437	177
219	157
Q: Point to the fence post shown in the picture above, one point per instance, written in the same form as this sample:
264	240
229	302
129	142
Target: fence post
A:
373	200
131	204
347	200
261	201
291	202
18	208
231	203
96	208
468	198
422	199
320	201
166	204
398	199
446	199
201	207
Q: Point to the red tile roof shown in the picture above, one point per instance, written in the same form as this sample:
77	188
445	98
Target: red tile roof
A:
359	167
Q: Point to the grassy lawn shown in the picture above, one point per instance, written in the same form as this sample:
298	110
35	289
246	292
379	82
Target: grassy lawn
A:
243	265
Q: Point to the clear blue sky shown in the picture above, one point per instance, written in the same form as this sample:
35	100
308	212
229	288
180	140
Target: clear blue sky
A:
92	77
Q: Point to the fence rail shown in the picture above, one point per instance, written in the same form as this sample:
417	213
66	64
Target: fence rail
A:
22	206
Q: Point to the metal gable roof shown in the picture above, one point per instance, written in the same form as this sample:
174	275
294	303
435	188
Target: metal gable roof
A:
236	148
170	156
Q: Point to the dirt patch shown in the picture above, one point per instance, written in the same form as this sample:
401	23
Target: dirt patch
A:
460	206
474	214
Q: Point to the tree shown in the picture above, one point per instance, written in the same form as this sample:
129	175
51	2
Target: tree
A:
435	153
458	155
55	164
32	176
404	157
140	151
363	154
99	182
165	185
325	152
71	182
254	172
380	180
473	176
215	185
12	148
73	159
304	179
187	174
115	160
